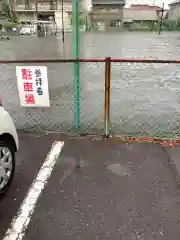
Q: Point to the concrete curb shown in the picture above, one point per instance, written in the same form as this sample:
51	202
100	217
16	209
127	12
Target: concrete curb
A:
173	153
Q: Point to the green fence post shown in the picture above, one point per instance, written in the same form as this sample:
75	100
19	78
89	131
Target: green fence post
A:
75	32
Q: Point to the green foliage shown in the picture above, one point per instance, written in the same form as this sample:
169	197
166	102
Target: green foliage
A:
9	25
171	25
178	25
82	19
7	10
167	25
152	25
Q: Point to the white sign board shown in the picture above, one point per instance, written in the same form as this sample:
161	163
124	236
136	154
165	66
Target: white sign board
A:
33	86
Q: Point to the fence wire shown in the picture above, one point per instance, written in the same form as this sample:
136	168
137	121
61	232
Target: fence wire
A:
145	100
58	117
92	77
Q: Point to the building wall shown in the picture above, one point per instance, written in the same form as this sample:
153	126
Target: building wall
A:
140	15
174	13
43	8
86	5
107	20
24	17
66	21
106	16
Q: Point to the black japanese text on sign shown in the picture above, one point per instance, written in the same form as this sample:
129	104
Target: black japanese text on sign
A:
39	82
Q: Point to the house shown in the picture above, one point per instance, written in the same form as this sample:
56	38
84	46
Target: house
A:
106	14
142	12
174	12
142	16
59	11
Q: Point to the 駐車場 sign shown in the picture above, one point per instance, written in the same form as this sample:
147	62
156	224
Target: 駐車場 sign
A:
33	86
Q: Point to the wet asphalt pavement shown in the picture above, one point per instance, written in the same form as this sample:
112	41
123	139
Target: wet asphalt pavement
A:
99	189
144	97
30	157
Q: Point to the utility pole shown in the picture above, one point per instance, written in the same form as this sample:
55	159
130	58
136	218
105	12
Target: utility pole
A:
75	33
62	19
161	20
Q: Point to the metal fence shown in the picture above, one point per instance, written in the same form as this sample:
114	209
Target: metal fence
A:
167	25
117	97
59	117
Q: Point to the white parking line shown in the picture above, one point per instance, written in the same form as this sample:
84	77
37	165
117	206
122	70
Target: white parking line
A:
20	222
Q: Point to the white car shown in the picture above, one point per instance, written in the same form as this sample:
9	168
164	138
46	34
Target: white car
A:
26	31
8	147
14	29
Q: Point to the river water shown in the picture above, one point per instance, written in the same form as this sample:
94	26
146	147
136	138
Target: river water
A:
144	97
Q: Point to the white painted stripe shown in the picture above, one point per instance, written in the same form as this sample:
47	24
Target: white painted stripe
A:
20	222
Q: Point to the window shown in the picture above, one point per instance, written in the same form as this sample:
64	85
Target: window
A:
27	5
115	23
99	9
81	6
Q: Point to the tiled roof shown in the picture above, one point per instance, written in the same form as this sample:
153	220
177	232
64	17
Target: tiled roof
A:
174	2
144	6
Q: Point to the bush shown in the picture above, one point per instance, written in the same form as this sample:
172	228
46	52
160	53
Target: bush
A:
10	25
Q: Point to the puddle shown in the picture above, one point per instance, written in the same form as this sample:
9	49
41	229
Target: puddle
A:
119	169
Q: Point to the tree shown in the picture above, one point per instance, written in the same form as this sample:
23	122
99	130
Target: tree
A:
27	4
7	10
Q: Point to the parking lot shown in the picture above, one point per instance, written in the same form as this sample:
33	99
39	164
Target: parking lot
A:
33	151
97	189
134	112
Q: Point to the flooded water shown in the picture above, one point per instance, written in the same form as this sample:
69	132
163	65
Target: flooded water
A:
144	97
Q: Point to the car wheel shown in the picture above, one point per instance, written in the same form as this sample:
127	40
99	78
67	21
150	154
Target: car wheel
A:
7	166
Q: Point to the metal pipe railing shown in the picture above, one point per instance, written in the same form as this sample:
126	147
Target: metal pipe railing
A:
107	82
134	60
70	60
92	60
107	96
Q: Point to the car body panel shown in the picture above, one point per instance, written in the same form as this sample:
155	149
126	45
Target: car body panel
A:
7	126
28	30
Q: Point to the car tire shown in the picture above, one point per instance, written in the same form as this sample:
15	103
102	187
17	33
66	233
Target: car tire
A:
10	148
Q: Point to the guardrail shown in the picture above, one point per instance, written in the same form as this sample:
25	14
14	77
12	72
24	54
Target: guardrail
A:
107	78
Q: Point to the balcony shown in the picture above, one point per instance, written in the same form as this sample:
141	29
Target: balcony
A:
107	10
45	7
108	2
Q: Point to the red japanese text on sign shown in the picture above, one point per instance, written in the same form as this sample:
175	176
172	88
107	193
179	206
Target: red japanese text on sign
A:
26	74
28	87
29	99
33	86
